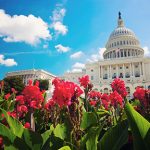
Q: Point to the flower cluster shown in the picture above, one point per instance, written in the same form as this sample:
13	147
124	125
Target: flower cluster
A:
84	81
65	91
142	95
116	99
105	101
94	95
119	86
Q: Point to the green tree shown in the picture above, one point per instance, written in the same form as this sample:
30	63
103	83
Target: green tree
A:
15	82
43	84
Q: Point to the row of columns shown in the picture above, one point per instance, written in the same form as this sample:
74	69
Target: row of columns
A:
123	52
131	68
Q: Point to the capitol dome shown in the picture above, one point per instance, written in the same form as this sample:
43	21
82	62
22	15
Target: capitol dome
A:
122	43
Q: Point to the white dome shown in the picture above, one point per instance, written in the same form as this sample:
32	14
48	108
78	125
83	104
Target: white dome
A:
122	43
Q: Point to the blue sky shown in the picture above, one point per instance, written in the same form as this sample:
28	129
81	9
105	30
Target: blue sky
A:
62	35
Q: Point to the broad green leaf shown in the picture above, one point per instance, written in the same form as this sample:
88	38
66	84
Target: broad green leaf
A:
93	135
65	148
140	128
47	134
15	126
89	118
115	137
60	131
33	139
11	141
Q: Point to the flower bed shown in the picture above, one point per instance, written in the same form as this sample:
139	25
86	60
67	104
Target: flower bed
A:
67	121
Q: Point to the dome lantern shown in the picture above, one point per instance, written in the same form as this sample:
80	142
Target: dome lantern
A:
120	21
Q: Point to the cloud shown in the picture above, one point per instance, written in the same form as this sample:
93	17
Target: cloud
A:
45	46
7	62
77	55
78	65
20	28
57	20
146	51
76	70
98	56
62	49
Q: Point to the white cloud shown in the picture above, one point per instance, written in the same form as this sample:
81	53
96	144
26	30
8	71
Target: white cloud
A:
20	28
77	55
76	70
98	56
62	49
57	20
78	65
7	62
146	51
59	28
45	46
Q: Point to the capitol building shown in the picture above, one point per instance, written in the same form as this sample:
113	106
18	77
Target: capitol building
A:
123	58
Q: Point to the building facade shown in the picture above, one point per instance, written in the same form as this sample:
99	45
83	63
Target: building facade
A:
32	74
123	58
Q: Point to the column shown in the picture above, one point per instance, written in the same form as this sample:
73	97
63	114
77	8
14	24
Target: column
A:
110	72
123	52
117	71
123	71
102	71
143	70
130	70
133	69
140	69
99	73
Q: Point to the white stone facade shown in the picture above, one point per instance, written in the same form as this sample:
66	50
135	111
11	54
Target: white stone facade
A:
123	58
32	74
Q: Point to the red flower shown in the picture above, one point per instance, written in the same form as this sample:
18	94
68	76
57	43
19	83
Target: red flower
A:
27	125
29	82
84	81
32	93
22	109
119	86
65	92
13	90
105	101
37	83
94	95
49	104
1	142
93	102
140	94
12	114
1	84
116	99
20	99
7	96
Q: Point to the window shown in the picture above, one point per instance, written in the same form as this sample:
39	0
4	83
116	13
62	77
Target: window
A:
114	76
127	67
127	75
137	74
106	90
128	90
120	42
136	66
114	68
117	43
121	75
105	76
124	42
120	67
91	70
92	78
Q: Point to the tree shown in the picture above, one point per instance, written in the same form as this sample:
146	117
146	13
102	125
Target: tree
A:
15	82
43	84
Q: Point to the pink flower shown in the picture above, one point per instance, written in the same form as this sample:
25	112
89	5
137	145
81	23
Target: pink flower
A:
94	95
27	125
93	102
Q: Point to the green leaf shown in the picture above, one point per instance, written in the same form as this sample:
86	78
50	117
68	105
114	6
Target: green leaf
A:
47	134
93	135
115	137
65	148
33	139
140	128
11	141
89	118
60	131
15	126
102	112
